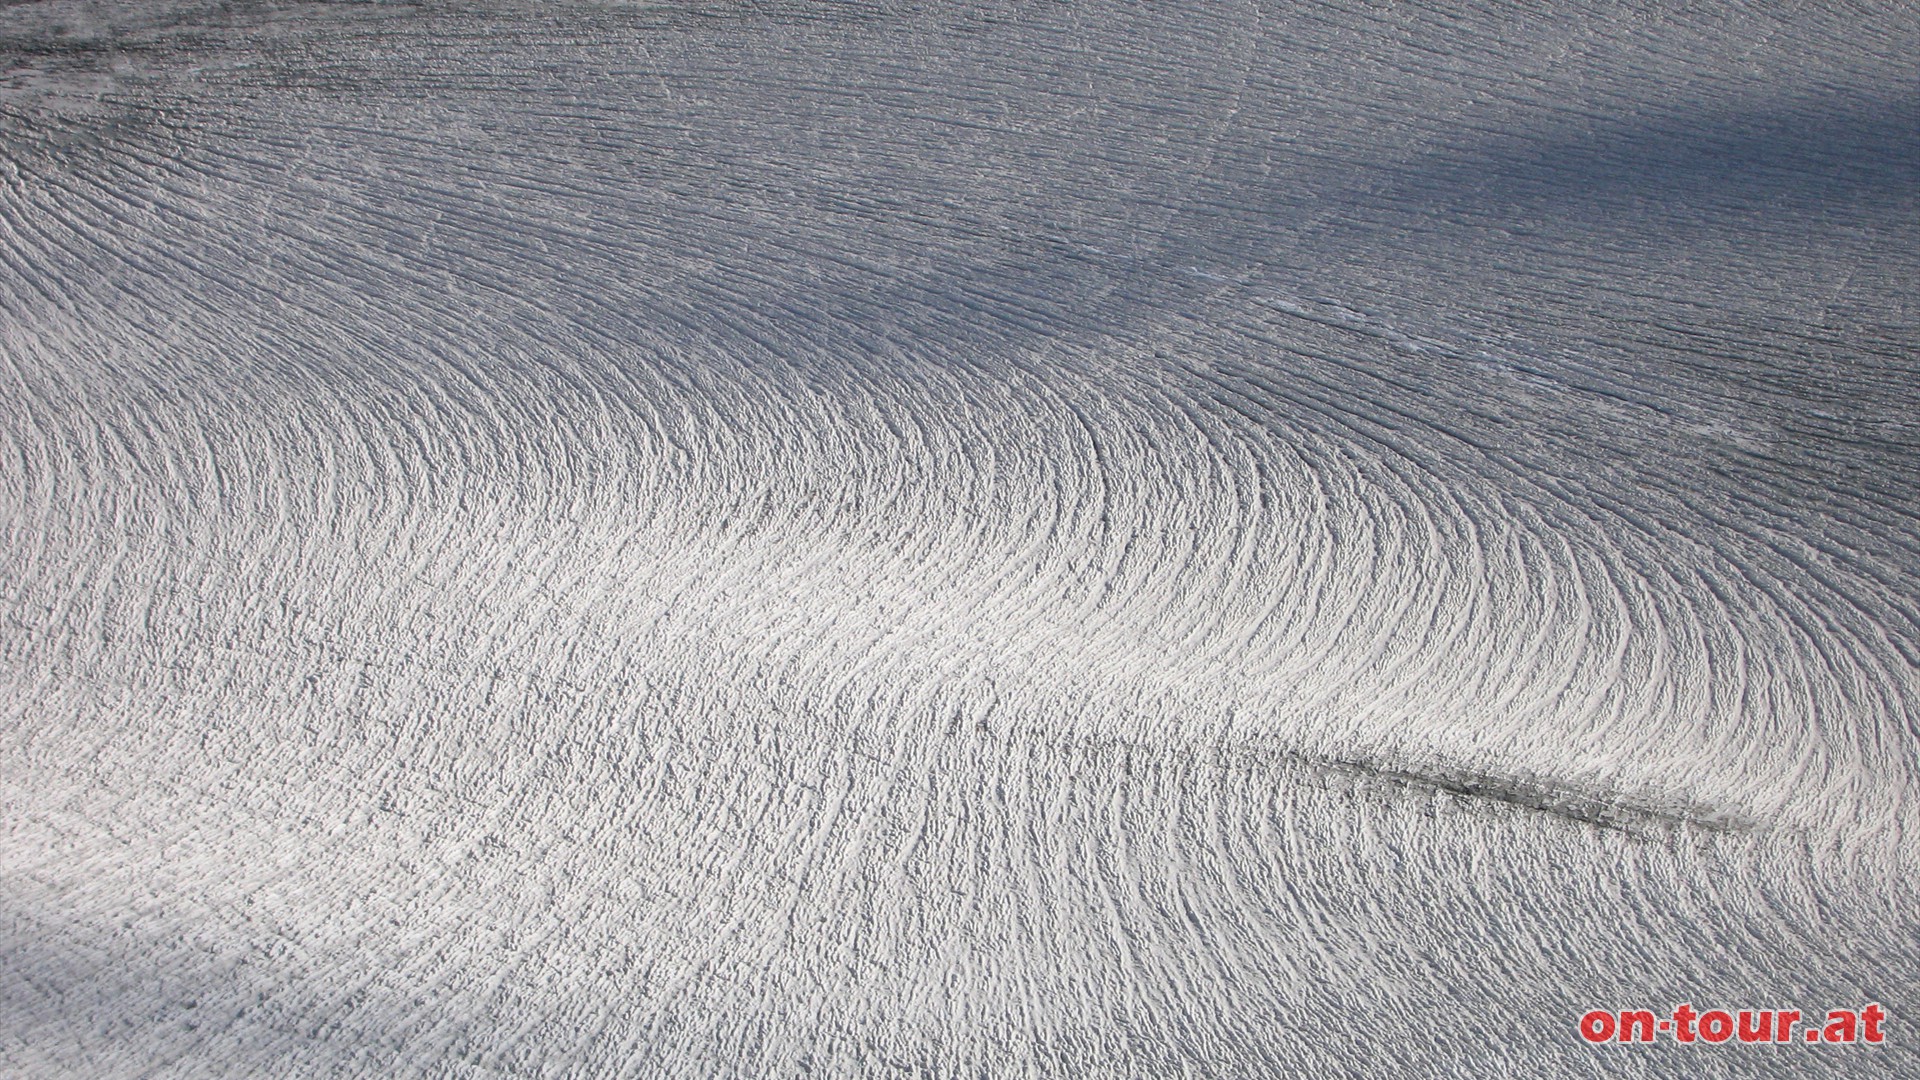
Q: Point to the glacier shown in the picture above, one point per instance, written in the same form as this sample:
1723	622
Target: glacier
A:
853	539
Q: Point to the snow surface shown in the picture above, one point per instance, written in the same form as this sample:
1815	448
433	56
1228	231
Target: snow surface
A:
982	540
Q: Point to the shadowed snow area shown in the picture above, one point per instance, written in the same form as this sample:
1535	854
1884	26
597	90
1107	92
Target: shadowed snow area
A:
1092	540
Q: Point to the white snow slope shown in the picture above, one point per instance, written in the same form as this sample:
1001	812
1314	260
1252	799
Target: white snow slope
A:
1090	540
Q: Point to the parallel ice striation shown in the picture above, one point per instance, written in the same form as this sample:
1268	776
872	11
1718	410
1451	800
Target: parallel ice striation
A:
777	539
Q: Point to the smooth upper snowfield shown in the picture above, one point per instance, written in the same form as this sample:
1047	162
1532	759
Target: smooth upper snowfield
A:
1082	540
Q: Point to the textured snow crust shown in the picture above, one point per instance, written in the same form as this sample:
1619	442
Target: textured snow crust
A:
1072	540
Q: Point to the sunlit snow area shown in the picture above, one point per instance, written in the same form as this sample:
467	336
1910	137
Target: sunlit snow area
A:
955	540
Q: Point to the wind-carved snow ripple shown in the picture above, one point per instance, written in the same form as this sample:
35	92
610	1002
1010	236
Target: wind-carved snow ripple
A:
510	573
